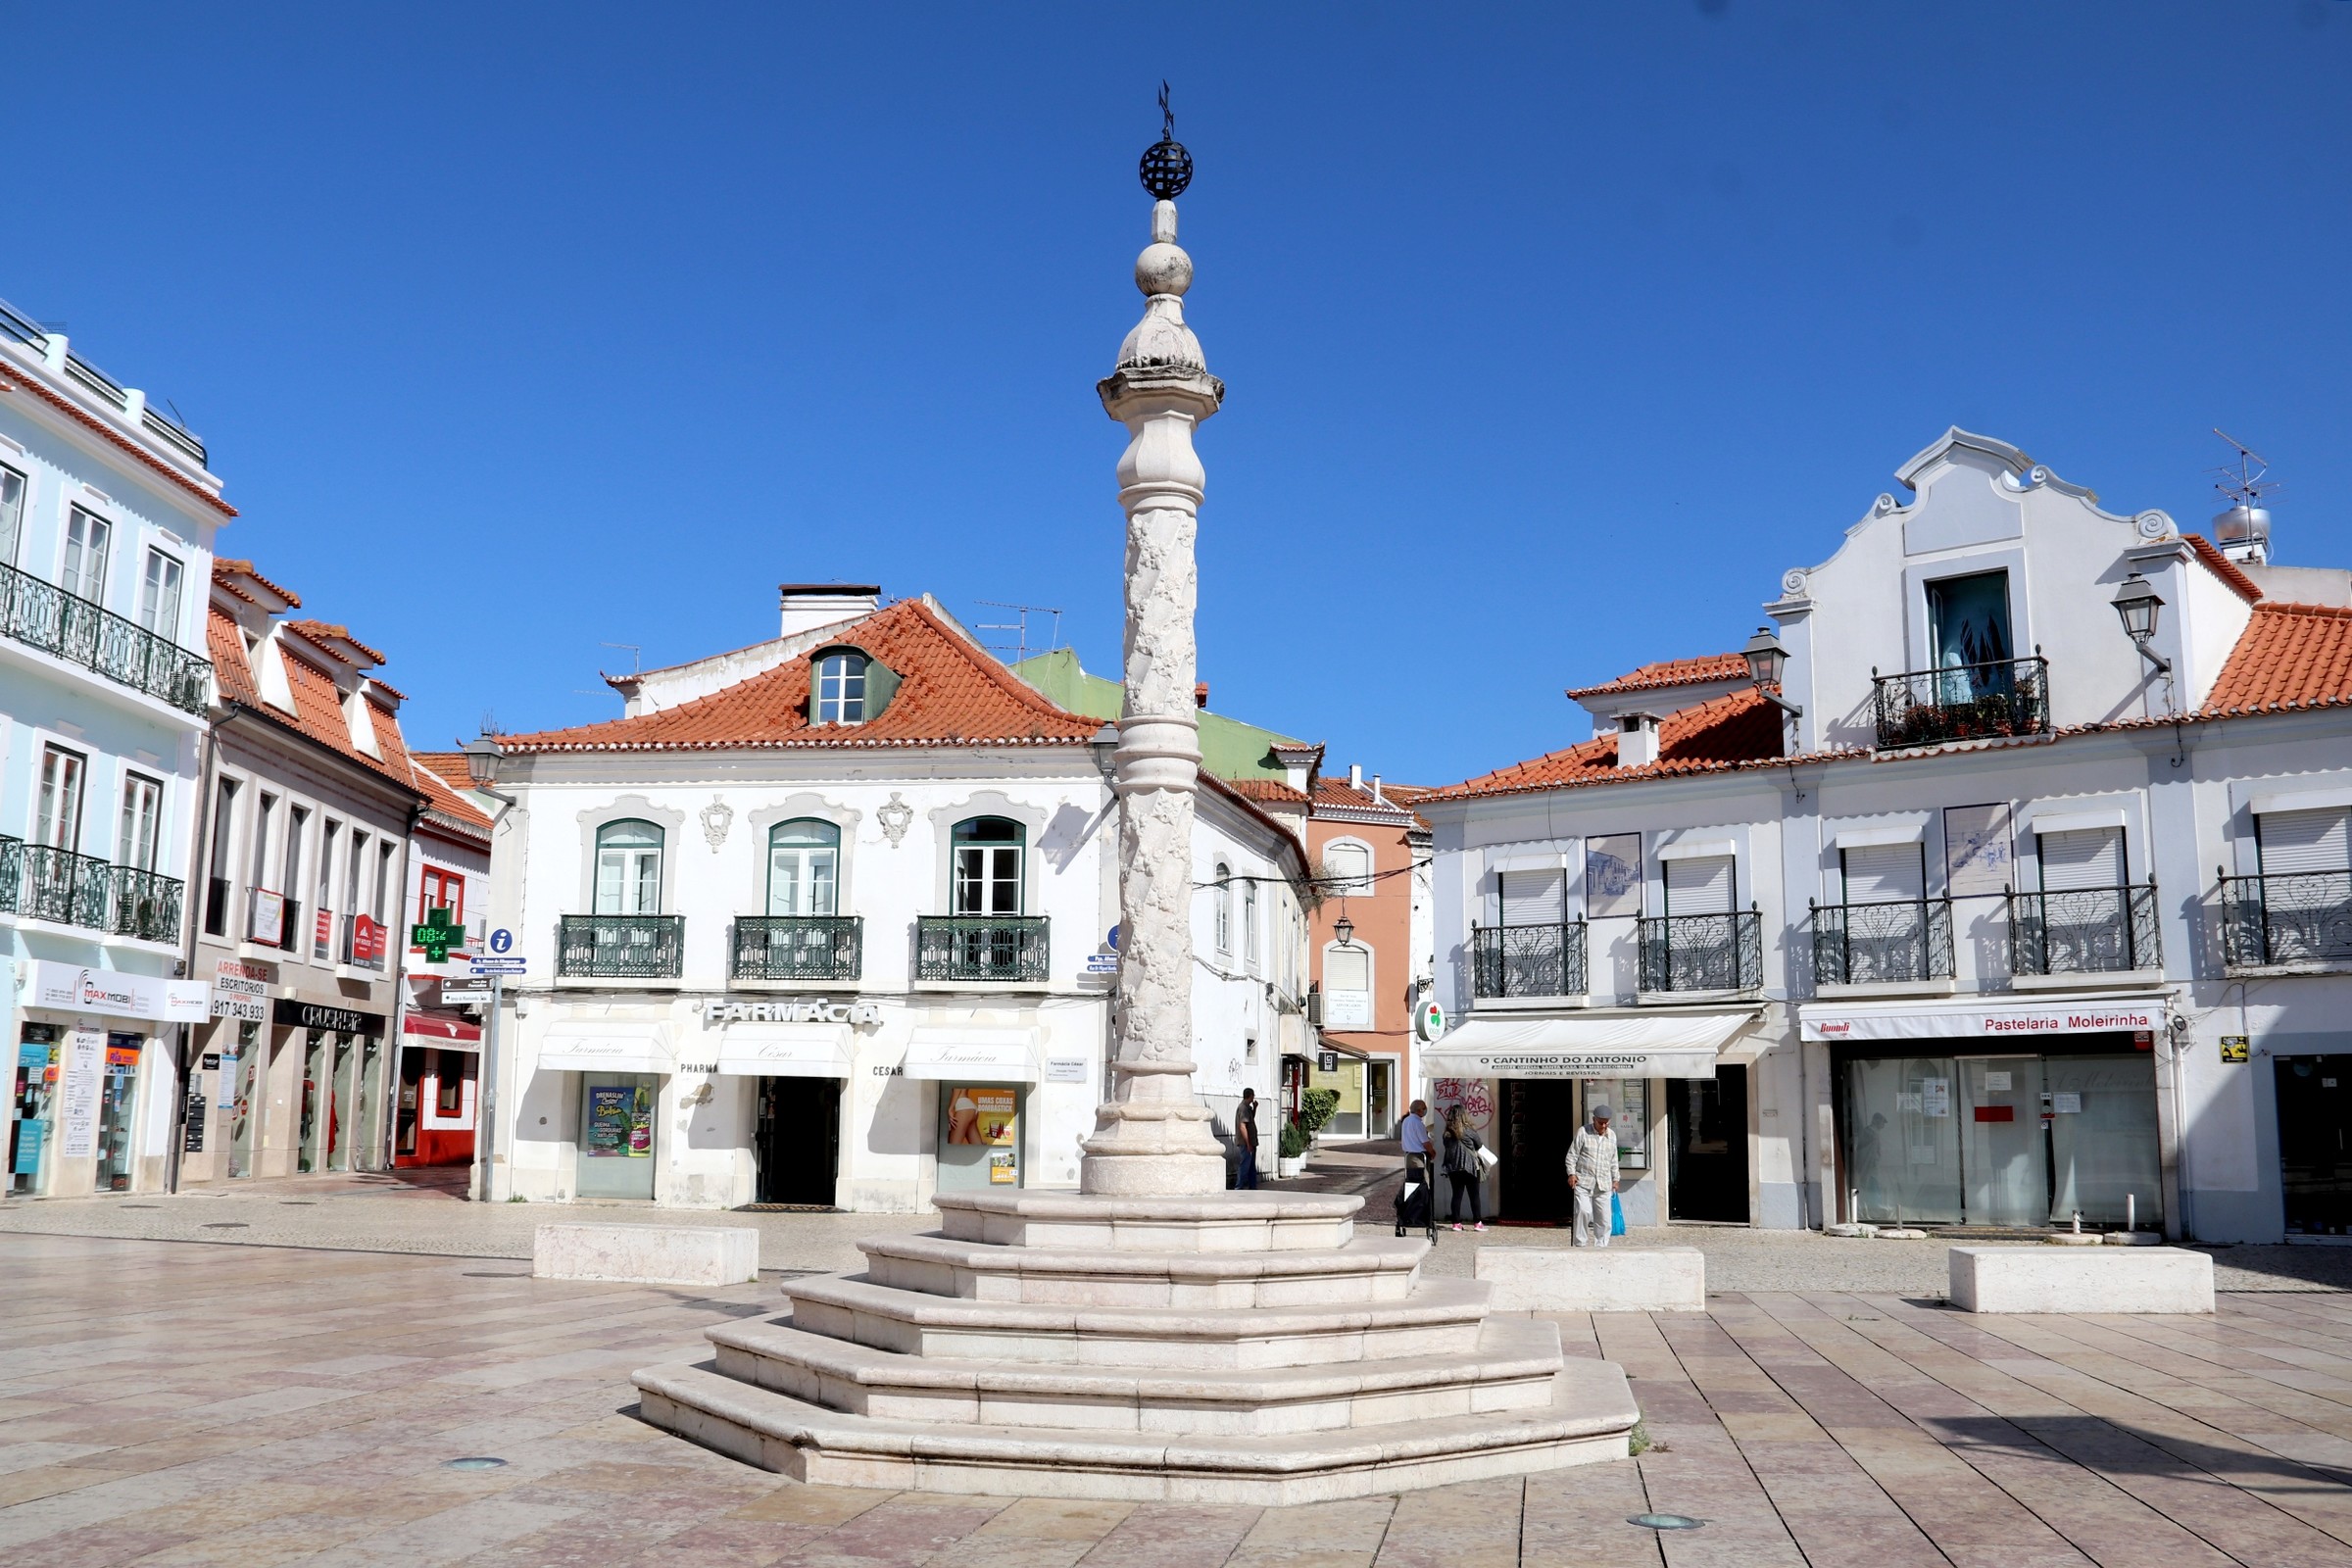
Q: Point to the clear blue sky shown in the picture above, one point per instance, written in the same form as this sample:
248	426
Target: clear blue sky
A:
1552	338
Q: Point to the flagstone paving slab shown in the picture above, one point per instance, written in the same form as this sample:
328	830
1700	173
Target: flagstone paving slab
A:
179	1404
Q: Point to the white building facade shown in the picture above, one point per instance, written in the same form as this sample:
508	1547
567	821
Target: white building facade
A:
2000	907
107	516
827	923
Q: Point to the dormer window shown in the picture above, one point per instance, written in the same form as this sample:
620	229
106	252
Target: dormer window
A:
840	688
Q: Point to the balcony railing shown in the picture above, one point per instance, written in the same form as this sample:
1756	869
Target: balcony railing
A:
70	626
1528	961
981	947
1881	944
63	885
797	947
621	947
2294	918
2083	931
1702	951
42	883
1963	702
146	904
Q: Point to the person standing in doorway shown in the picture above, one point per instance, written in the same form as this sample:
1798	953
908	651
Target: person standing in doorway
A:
1462	1169
1244	1134
1592	1179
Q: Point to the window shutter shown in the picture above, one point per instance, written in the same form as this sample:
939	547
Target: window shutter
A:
1700	886
1347	968
2091	857
2304	841
1534	897
1884	873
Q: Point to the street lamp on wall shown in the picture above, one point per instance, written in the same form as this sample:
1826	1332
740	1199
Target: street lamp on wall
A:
1767	661
483	757
2137	605
1345	929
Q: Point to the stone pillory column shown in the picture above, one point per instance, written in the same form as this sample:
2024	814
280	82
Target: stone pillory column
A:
1153	1136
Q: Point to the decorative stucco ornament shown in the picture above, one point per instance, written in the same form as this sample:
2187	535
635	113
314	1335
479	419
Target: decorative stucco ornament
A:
895	817
1153	1136
718	817
2153	526
1792	581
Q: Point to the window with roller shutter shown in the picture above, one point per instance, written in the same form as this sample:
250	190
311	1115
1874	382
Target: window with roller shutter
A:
2298	843
2300	911
2086	857
1347	987
2084	920
1884	873
1700	886
1535	897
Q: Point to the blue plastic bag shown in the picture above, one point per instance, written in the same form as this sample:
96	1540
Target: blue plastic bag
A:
1616	1217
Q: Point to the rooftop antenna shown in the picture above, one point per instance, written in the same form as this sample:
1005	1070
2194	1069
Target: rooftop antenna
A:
1018	648
636	656
2242	529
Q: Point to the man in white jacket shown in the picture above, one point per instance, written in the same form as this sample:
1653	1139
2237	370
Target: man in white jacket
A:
1591	1179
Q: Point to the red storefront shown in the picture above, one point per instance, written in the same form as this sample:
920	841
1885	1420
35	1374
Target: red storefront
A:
440	1066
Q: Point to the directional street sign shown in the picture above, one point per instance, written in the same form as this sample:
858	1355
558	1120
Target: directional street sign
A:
509	965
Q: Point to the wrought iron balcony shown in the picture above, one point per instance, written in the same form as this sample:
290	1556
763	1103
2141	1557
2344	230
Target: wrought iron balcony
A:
797	947
2083	931
1702	951
60	885
12	871
1881	944
981	947
1528	961
146	904
72	627
1963	702
2298	918
621	947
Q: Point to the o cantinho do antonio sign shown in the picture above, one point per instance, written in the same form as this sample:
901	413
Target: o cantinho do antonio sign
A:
1982	1022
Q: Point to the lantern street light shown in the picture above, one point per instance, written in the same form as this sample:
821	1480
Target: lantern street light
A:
1767	661
481	760
2137	605
1345	929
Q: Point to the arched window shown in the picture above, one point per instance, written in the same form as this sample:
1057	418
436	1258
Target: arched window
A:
1346	867
804	866
628	869
840	688
1250	924
1222	894
988	866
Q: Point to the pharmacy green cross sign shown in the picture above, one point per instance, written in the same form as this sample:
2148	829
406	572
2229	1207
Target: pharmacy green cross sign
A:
437	935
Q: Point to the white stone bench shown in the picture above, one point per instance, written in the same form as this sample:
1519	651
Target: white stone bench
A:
1595	1279
2081	1279
647	1254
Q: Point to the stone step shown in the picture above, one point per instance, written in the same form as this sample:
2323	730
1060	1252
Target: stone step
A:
1511	1369
1369	1269
1588	1418
1212	1222
1440	1319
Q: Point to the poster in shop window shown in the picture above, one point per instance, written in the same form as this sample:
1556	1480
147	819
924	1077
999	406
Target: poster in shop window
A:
621	1122
980	1115
1979	850
78	1094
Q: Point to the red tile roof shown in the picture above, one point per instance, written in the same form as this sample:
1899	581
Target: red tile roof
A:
226	569
441	792
2289	656
950	693
1672	672
318	706
116	439
2223	567
1264	789
1728	732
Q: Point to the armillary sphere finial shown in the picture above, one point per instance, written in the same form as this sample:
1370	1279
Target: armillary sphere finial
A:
1166	169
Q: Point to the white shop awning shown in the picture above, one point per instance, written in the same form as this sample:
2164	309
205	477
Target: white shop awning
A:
1978	1019
786	1050
593	1046
984	1056
1671	1045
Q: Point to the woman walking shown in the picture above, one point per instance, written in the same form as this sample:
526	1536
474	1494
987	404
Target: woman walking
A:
1462	1167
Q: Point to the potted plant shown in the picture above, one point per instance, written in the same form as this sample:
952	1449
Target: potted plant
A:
1292	1152
1316	1107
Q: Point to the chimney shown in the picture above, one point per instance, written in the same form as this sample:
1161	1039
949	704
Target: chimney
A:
1377	798
1355	775
806	605
1637	740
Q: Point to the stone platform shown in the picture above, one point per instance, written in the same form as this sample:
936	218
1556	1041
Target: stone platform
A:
2088	1279
1595	1278
1243	1348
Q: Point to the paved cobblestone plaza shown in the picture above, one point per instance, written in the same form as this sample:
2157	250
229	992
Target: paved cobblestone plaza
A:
178	1402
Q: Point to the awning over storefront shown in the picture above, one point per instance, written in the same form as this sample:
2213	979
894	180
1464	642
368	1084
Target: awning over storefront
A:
590	1046
445	1029
786	1050
1672	1044
988	1055
1975	1018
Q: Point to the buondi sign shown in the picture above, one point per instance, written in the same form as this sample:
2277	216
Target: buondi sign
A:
811	1012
